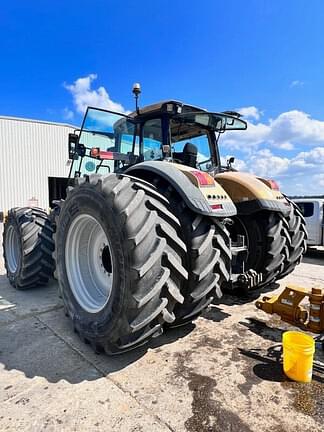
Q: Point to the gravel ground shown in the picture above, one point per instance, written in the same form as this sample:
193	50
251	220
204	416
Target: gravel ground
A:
222	373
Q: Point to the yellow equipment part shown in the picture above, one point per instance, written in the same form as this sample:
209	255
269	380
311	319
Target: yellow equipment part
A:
247	187
287	306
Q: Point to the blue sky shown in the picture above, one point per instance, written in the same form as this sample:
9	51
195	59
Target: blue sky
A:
266	57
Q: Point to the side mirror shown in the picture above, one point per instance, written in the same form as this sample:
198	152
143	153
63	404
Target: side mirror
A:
73	146
230	161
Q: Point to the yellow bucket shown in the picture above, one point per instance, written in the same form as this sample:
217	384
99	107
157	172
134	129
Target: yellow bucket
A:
298	353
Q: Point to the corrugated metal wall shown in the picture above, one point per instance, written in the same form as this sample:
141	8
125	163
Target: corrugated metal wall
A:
30	152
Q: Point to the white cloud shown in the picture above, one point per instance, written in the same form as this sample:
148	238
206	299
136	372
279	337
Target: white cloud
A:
284	132
246	140
239	164
285	145
303	163
265	164
296	127
300	174
309	159
250	112
319	178
296	83
67	114
84	96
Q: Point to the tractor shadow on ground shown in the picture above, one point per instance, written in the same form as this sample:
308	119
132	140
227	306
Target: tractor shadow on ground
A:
75	362
214	313
40	342
261	328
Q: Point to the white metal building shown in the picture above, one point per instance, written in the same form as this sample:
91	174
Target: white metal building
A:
33	157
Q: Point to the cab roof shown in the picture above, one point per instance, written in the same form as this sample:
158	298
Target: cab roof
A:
162	106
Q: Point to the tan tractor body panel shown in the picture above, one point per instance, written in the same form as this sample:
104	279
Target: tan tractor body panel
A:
246	187
251	194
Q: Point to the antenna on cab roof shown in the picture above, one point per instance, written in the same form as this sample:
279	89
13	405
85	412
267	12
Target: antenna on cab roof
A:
136	92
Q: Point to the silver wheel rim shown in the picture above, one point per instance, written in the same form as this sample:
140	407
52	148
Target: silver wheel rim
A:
89	263
12	249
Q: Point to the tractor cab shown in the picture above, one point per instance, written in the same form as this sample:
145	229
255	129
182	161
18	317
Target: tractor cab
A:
167	131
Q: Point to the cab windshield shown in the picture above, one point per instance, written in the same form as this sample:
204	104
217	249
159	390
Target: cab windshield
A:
198	129
218	122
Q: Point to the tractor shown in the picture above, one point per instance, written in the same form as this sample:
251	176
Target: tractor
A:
152	226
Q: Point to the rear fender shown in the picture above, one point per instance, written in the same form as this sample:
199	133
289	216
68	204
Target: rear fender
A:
251	194
208	199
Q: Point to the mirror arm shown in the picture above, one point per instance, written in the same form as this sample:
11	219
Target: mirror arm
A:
80	164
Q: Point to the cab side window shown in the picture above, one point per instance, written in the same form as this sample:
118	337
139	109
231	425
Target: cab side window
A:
129	139
152	139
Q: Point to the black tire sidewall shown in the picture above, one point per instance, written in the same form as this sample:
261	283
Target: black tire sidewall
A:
253	229
257	243
97	205
12	221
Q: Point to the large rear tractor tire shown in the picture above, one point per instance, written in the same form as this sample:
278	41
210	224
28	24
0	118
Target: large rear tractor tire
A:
294	226
208	257
119	261
28	246
208	263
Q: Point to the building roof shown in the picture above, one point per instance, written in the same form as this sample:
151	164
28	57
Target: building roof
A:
37	121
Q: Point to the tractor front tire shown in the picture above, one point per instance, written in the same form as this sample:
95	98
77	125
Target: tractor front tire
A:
118	271
28	246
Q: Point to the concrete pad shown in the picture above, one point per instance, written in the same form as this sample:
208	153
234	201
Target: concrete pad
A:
20	304
47	385
86	406
17	304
